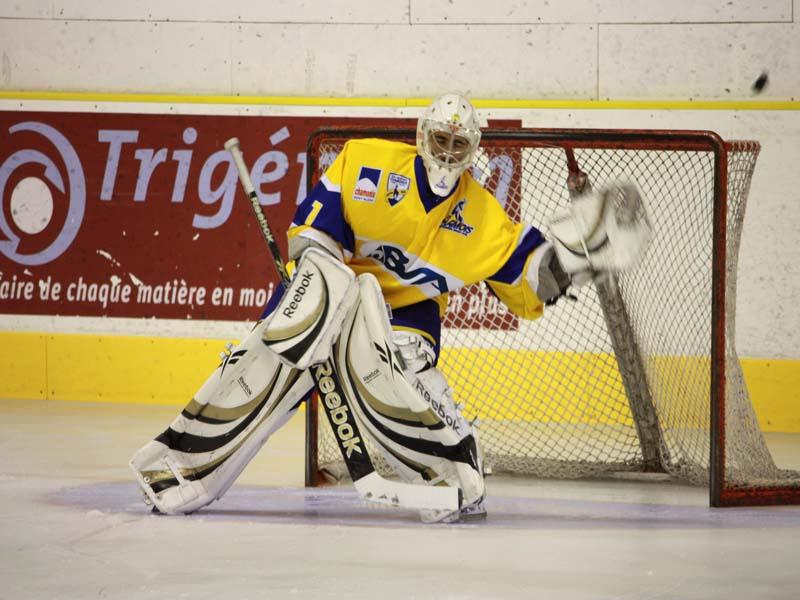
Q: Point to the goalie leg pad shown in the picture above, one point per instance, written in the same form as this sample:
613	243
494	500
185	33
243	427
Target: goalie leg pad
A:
247	398
310	314
410	417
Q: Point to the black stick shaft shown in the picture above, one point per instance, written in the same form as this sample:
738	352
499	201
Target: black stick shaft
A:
232	146
280	266
355	455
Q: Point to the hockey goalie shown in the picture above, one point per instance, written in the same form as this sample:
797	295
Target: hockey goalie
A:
382	239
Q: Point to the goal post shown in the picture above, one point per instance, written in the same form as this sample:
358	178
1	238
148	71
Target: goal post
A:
641	372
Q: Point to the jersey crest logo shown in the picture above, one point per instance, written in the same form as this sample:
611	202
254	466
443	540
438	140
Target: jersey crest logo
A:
367	185
396	188
455	220
442	185
395	260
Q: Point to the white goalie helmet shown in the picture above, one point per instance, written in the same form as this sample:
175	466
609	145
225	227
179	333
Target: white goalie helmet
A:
448	134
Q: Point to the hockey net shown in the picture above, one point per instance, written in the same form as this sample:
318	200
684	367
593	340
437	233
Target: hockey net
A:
640	373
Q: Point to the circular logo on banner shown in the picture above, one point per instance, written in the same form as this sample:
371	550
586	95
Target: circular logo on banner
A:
30	211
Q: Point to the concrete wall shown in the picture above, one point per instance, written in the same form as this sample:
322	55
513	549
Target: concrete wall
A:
503	50
578	49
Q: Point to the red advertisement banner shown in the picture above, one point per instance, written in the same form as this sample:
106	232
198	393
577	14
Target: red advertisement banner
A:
138	215
142	215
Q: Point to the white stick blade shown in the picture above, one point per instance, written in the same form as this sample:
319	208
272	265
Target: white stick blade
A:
407	495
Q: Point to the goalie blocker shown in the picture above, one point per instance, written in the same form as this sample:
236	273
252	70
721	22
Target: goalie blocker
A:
259	385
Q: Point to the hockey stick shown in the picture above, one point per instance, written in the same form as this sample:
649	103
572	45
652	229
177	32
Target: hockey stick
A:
623	342
367	481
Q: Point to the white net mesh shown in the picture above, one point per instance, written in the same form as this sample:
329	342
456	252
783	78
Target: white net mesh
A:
550	394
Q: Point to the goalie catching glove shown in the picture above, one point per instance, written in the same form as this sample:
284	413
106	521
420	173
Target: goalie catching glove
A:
603	231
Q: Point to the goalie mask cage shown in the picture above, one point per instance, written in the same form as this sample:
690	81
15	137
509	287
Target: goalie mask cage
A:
640	373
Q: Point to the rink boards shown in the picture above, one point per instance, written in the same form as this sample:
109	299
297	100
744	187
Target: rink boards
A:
168	370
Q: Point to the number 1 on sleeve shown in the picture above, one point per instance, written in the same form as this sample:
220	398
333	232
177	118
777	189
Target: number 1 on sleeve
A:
316	206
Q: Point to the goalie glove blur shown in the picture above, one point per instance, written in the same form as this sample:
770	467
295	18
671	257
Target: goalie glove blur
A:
601	231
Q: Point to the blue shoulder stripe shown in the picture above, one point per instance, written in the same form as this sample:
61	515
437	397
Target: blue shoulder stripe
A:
330	217
531	239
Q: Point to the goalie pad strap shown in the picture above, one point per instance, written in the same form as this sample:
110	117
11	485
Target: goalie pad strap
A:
313	238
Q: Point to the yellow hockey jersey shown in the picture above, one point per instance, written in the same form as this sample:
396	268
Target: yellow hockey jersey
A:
376	203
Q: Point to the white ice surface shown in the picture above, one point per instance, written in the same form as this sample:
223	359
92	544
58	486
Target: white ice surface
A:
72	526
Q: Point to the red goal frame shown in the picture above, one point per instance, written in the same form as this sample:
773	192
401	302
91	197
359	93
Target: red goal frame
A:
720	494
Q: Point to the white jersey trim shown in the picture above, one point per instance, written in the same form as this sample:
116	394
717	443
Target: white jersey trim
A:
414	265
330	186
532	275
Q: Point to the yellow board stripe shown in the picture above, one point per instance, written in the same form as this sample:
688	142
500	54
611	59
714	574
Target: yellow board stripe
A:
168	371
766	105
120	369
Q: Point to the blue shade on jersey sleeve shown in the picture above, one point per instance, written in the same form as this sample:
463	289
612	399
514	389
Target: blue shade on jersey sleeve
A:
422	317
273	302
510	272
330	218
